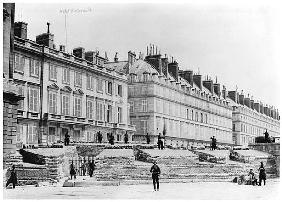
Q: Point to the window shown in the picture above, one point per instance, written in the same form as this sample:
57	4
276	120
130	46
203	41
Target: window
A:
196	116
109	87
120	90
187	113
206	118
34	67
78	79
52	72
19	63
100	109
233	128
32	134
65	104
131	109
109	113
21	92
144	105
202	118
143	126
52	102
192	115
33	99
19	133
66	75
145	76
119	114
76	135
90	82
89	111
99	85
77	106
51	135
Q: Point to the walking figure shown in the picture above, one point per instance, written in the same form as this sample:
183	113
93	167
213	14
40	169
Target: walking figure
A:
91	168
72	171
262	174
13	178
155	170
67	139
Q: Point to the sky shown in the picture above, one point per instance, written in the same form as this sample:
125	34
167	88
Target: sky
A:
237	43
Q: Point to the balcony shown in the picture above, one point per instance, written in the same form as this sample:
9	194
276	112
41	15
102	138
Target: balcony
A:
33	115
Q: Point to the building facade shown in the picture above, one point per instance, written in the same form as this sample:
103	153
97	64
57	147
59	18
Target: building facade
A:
72	94
166	100
251	119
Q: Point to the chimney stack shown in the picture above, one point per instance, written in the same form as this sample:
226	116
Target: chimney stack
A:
209	85
257	106
188	76
155	61
131	58
164	65
197	79
233	95
79	52
252	103
46	39
116	57
174	69
20	30
224	92
261	109
216	88
90	56
62	48
247	102
241	98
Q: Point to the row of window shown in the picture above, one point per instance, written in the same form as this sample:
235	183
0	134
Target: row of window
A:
33	105
34	65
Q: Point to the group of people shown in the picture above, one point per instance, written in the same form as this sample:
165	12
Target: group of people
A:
90	166
252	180
213	143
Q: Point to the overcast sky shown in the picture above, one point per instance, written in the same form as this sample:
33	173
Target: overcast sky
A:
236	43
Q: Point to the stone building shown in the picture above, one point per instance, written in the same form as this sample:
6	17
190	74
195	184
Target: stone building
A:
10	96
66	93
177	103
252	118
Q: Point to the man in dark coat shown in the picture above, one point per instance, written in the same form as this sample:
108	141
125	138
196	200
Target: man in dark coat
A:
100	137
148	138
126	138
13	178
159	141
72	171
67	139
262	174
155	170
91	168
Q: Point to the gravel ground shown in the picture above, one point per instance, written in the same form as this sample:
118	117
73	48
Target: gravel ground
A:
171	191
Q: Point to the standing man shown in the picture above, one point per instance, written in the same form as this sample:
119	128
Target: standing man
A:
100	137
155	170
67	139
126	138
72	171
13	178
262	174
148	138
91	168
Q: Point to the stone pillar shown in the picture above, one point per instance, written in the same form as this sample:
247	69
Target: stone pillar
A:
10	105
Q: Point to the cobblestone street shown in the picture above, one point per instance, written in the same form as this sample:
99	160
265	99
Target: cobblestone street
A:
200	190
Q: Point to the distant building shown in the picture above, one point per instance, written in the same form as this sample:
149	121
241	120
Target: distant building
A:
164	99
66	93
251	119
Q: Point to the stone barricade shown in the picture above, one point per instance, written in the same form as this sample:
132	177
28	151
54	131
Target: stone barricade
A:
28	174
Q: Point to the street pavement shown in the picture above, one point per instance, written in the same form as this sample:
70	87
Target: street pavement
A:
171	191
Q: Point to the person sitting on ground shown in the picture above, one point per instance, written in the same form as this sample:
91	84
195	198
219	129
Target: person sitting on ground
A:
252	178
